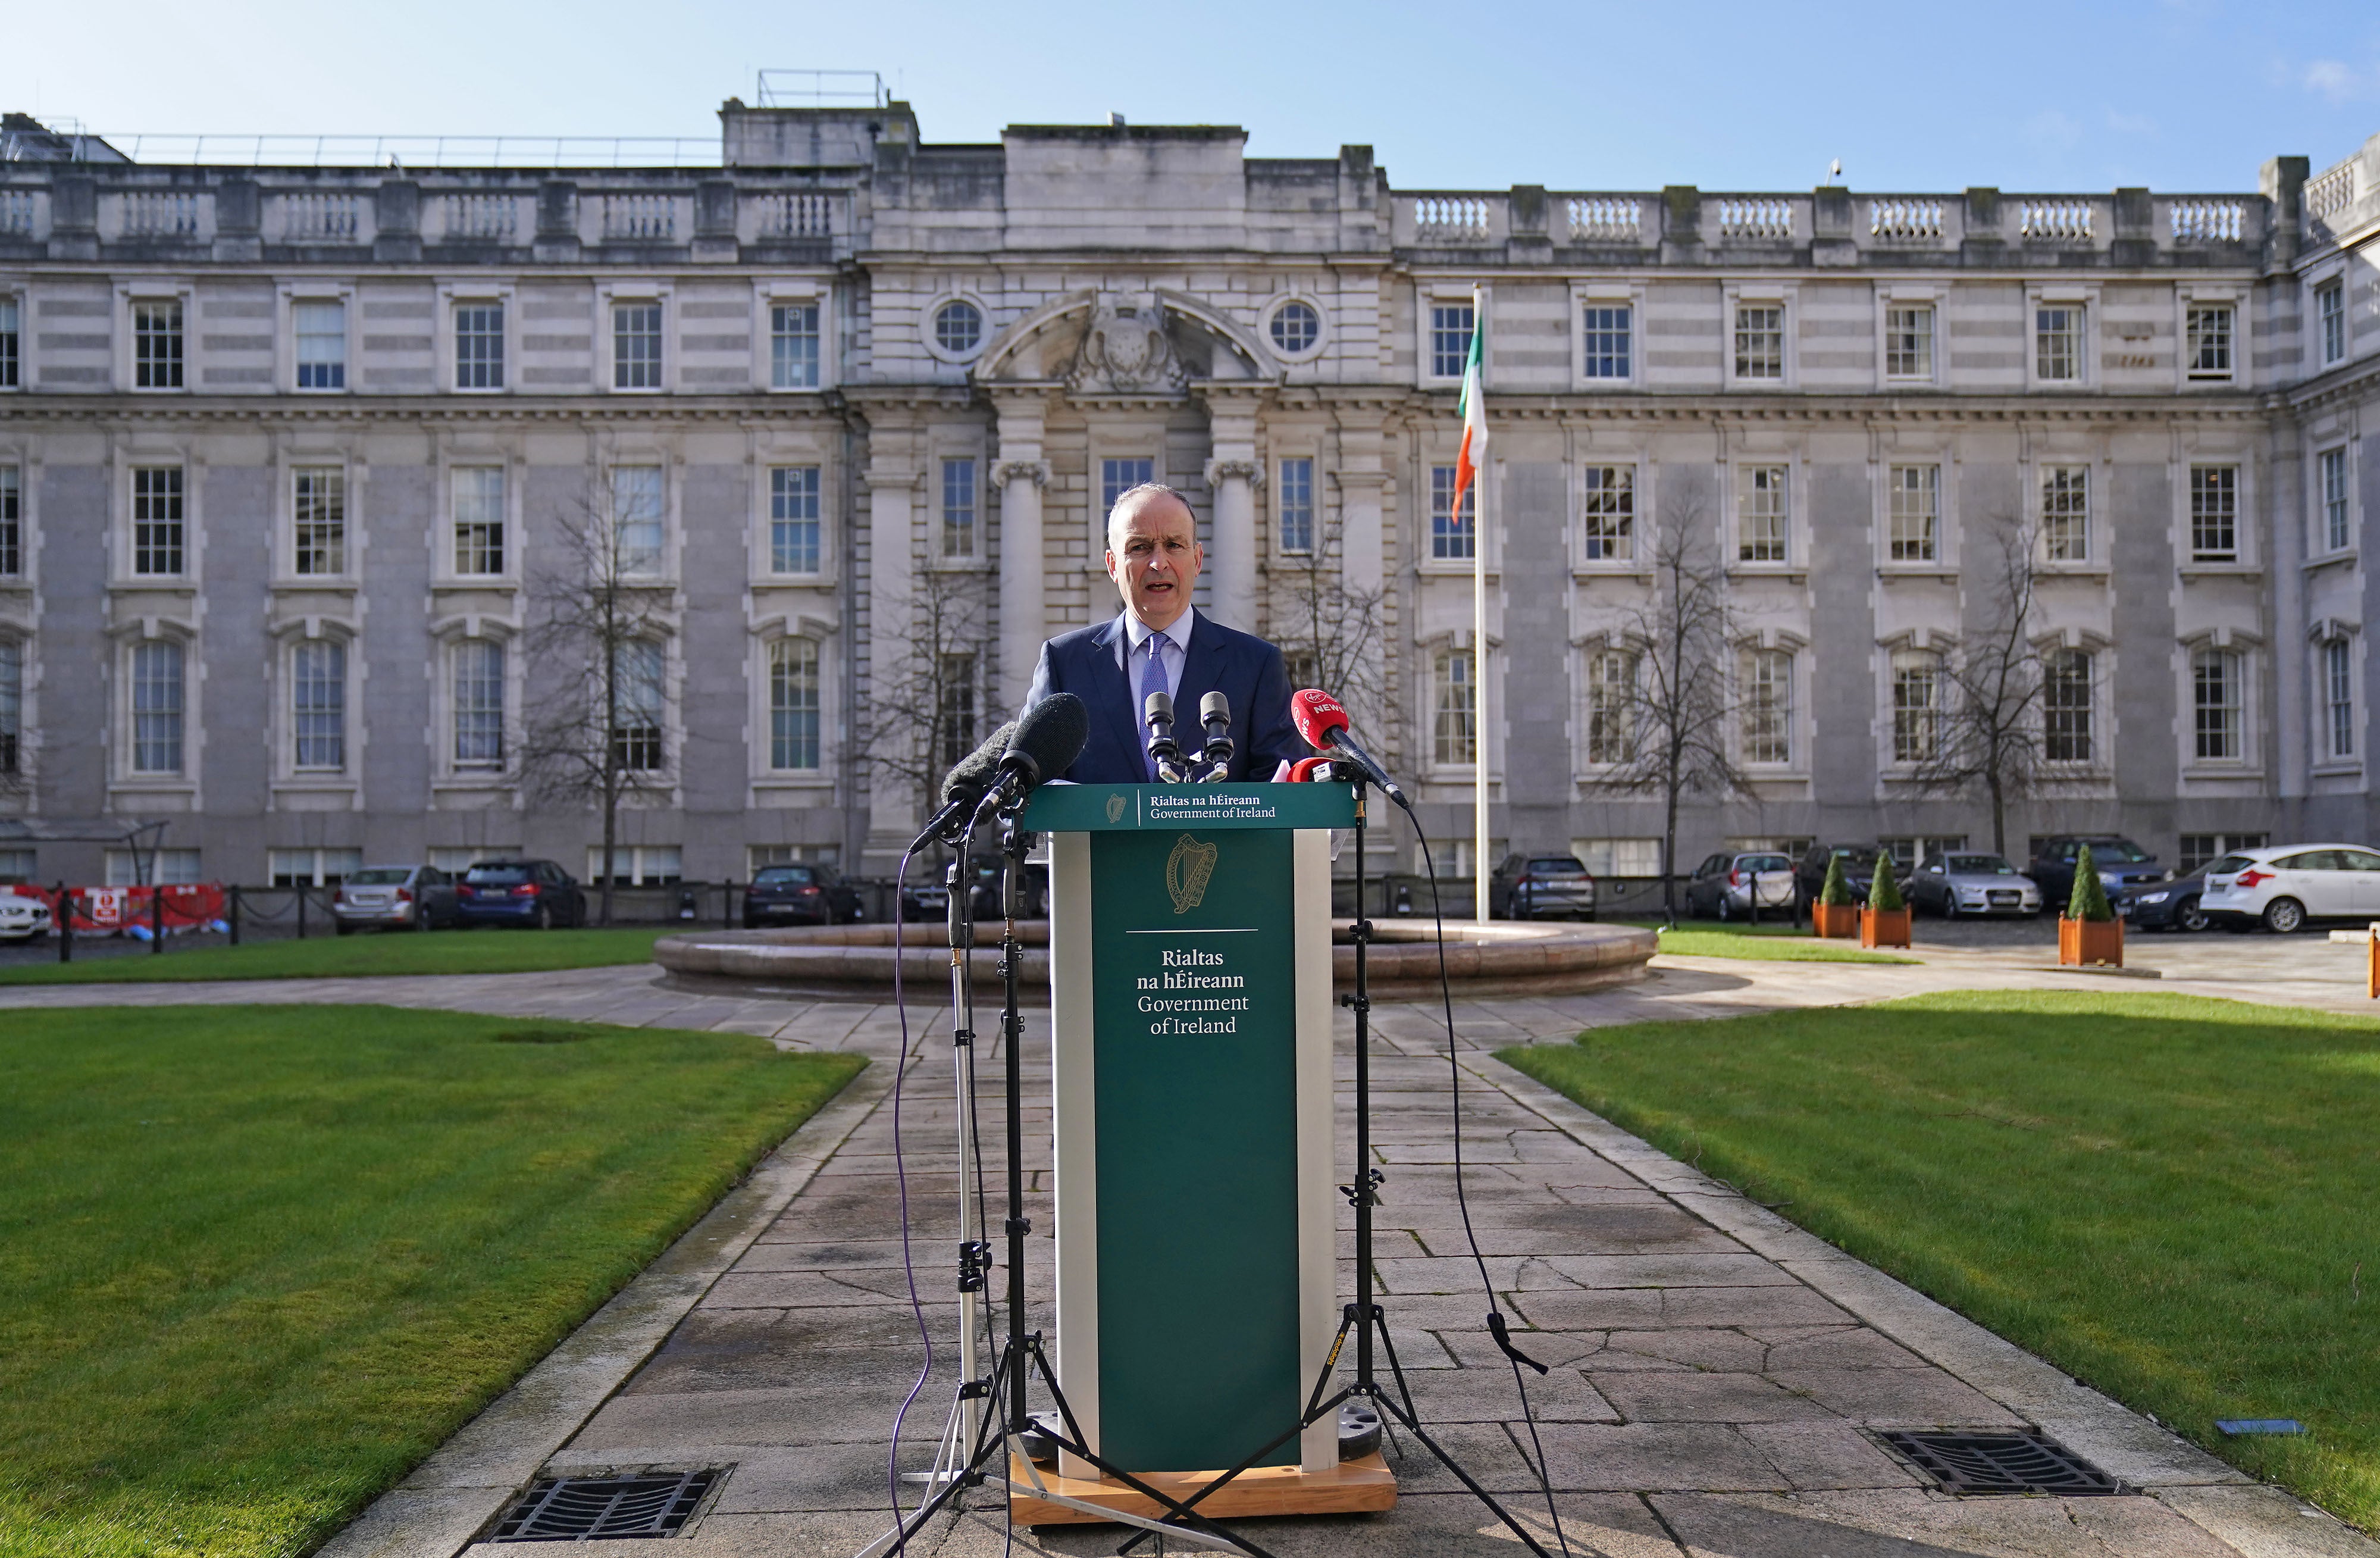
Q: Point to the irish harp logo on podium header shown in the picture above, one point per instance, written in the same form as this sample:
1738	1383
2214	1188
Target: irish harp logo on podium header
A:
1187	872
1116	809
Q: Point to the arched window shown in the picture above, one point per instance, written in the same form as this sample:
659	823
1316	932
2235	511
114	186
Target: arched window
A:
794	704
638	698
2215	702
318	704
2066	710
1454	710
157	707
1769	706
1917	706
12	706
478	704
1611	706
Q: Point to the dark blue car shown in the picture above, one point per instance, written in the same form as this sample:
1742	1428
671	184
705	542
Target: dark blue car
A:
537	895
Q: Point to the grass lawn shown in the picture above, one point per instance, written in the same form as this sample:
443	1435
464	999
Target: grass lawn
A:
439	952
255	1262
1773	944
2170	1197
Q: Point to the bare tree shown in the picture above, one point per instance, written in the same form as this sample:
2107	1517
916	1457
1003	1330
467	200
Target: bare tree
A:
1334	636
927	686
1989	730
595	733
1662	725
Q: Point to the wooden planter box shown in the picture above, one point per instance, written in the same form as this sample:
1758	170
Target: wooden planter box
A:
1884	927
2082	941
2372	967
1835	923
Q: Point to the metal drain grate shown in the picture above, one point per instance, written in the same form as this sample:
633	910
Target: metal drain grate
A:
2002	1463
600	1508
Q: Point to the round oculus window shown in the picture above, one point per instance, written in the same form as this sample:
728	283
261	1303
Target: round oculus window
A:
1295	327
958	328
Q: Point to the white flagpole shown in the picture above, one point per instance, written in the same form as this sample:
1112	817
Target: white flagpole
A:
1479	486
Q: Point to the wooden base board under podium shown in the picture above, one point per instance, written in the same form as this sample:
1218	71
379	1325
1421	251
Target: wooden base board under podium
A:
1354	1487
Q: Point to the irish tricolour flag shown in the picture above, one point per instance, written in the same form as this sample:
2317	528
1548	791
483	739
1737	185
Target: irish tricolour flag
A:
1474	417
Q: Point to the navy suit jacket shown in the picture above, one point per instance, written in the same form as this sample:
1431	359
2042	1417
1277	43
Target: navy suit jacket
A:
1242	667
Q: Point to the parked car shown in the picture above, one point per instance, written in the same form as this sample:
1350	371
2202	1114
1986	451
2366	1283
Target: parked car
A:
537	894
23	918
1952	883
2124	867
395	898
1032	900
1810	875
800	895
1725	885
925	900
1532	886
2286	888
2175	905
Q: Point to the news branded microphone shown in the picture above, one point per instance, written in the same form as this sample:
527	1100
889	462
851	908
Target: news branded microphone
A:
1048	738
1158	714
963	788
1215	713
1324	724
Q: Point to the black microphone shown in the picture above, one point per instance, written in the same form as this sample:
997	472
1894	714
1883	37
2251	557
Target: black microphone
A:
964	786
1048	740
1158	713
1215	713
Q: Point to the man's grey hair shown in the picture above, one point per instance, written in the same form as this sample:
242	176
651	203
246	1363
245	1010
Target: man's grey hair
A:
1142	491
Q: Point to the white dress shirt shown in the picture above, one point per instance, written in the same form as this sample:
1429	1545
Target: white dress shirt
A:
1174	647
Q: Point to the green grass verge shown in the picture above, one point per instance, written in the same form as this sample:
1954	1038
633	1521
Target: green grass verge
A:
1769	943
2167	1197
378	953
255	1262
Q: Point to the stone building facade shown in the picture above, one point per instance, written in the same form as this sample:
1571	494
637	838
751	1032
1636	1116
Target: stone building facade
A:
285	454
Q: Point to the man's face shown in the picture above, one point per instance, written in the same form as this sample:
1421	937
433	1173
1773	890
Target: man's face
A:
1154	557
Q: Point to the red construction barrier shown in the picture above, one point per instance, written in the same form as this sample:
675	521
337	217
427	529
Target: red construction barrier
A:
104	911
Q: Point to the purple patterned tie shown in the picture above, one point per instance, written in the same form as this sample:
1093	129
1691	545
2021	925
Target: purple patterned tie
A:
1152	679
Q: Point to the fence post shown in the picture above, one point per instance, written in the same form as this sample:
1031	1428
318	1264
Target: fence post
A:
727	905
301	911
156	918
65	924
234	914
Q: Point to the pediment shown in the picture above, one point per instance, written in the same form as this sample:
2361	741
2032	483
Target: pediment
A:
1124	342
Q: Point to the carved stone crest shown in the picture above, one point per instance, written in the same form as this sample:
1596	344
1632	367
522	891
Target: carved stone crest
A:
1126	347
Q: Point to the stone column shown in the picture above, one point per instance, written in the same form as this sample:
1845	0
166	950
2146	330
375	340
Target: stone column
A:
894	479
1231	563
1021	612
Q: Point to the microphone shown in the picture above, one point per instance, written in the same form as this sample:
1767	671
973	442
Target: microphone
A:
1049	737
964	786
1215	713
1159	716
1324	724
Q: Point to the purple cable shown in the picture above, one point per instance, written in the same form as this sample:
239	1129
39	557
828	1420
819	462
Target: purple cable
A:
900	1176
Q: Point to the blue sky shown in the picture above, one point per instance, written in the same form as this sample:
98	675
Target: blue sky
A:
2181	95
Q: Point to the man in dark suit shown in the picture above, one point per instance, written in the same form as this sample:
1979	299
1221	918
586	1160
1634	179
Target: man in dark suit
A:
1160	641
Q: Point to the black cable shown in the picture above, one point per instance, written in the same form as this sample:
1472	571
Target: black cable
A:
900	1176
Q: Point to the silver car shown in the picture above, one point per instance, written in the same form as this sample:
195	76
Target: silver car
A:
1724	885
22	918
1959	883
395	898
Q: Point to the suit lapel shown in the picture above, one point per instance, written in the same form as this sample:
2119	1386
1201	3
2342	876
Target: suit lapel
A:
1202	668
1113	691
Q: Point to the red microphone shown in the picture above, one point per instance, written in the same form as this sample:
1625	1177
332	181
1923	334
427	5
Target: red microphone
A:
1324	724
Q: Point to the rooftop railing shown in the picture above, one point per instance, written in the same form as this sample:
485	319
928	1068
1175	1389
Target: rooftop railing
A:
420	150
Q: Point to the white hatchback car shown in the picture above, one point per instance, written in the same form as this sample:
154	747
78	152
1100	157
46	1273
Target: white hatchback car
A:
2286	888
22	918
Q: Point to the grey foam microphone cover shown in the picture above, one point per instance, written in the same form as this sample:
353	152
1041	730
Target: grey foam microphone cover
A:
973	773
1213	706
1158	709
1049	737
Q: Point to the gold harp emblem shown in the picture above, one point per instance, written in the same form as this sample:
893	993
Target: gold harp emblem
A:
1187	872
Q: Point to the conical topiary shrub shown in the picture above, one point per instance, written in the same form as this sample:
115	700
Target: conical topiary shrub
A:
1835	913
1885	920
2089	899
1834	892
1883	893
2089	932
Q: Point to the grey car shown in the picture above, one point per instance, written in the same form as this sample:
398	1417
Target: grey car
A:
1960	882
1724	885
395	898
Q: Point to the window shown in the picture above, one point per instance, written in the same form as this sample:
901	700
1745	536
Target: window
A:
793	519
2201	850
321	345
1454	711
637	705
9	351
637	865
2330	314
157	707
1297	506
1118	477
639	508
1909	341
1916	500
958	328
955	735
1449	339
794	345
1608	857
131	868
480	346
2213	513
12	523
2066	705
2065	512
17	865
1296	328
794	704
12	705
1764	515
1917	706
1760	341
1450	535
2214	696
479	705
1606	353
318	704
1302	667
637	346
1769	706
2058	345
2332	464
1611	706
2208	327
157	345
479	493
318	541
958	508
759	858
311	868
1608	509
157	520
2338	700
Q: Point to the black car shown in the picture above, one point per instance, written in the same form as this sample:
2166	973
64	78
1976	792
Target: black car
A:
536	893
1532	886
2173	906
1810	875
2124	867
800	895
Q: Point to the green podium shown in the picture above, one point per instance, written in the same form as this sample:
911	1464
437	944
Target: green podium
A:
1191	1008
